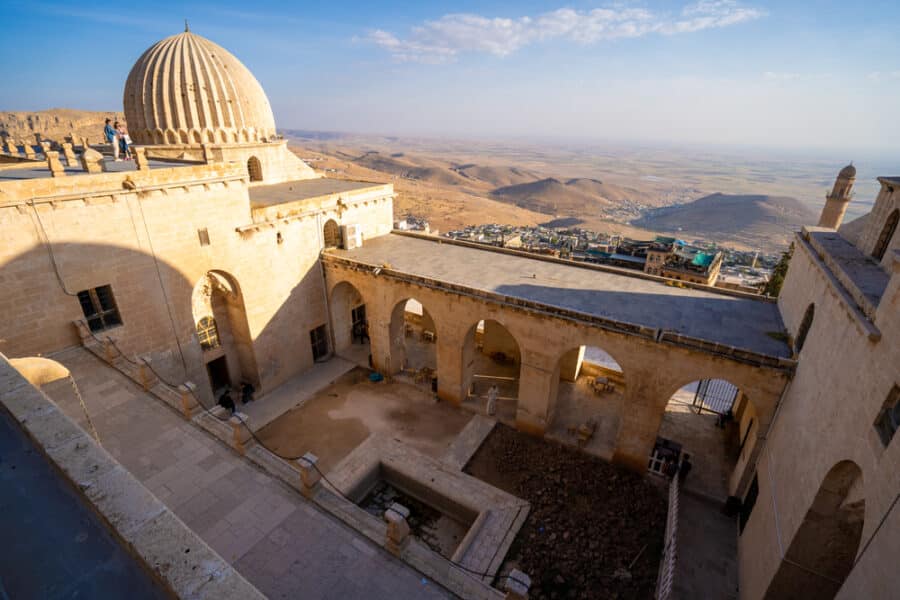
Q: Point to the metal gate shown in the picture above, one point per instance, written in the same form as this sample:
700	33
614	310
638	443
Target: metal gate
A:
715	395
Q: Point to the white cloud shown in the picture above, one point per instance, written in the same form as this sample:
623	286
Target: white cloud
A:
884	75
780	76
442	40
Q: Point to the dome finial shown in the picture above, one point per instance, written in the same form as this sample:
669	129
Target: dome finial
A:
187	27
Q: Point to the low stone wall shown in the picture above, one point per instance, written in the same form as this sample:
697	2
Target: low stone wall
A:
234	434
182	562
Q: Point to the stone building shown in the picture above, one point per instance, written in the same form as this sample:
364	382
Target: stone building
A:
224	259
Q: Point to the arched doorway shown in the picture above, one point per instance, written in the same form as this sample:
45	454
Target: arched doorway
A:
331	234
413	337
254	168
712	424
350	323
823	550
491	357
590	397
220	322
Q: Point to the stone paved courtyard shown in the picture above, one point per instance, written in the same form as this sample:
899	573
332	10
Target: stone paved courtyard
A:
278	541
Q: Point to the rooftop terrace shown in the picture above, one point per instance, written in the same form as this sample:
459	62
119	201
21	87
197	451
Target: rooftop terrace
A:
734	320
38	169
305	189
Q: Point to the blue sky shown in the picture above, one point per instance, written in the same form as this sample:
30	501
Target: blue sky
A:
799	75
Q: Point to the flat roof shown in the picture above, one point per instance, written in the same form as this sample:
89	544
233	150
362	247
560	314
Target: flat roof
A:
737	321
39	169
303	189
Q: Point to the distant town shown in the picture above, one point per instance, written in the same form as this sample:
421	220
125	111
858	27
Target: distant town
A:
695	261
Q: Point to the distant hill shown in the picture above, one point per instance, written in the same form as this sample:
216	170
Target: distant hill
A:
751	219
398	164
496	176
574	197
56	123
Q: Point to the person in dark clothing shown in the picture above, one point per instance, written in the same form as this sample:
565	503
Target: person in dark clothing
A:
247	390
670	468
684	469
225	401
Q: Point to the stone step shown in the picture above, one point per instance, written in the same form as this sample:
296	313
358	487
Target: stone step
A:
469	441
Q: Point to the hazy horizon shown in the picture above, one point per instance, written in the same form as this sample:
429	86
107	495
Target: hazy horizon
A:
818	78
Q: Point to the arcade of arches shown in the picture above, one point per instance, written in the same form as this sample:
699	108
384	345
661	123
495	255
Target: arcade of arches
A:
545	386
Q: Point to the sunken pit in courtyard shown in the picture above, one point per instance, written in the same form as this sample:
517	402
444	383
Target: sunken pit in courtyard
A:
594	531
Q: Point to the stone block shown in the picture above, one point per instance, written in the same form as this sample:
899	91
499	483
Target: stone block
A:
140	159
69	153
29	150
240	428
92	161
53	163
123	501
397	528
517	585
309	473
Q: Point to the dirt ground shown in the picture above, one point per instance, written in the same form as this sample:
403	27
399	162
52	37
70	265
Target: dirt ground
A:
589	520
337	419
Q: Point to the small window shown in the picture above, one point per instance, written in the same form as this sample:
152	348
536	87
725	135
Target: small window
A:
888	420
208	333
254	169
749	502
887	233
99	308
319	341
203	234
805	325
332	234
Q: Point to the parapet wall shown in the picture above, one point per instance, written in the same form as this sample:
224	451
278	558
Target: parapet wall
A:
177	558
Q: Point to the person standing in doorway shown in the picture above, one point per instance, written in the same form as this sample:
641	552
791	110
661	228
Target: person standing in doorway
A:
492	400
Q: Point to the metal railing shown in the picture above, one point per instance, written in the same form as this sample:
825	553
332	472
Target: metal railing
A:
666	577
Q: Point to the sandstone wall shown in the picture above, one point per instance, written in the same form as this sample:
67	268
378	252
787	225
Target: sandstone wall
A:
144	242
827	416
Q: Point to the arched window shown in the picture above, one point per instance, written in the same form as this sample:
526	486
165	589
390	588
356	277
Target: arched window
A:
805	324
208	333
332	234
884	240
255	169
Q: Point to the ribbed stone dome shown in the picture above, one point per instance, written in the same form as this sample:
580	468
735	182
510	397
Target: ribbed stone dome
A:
848	172
187	90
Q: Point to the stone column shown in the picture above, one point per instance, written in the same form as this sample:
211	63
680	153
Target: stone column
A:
517	585
69	153
12	147
56	168
646	396
29	150
240	427
538	385
449	368
397	528
380	337
46	147
140	159
84	144
570	364
309	474
92	161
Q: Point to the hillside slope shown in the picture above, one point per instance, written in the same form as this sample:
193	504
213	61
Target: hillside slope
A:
55	124
574	197
752	219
